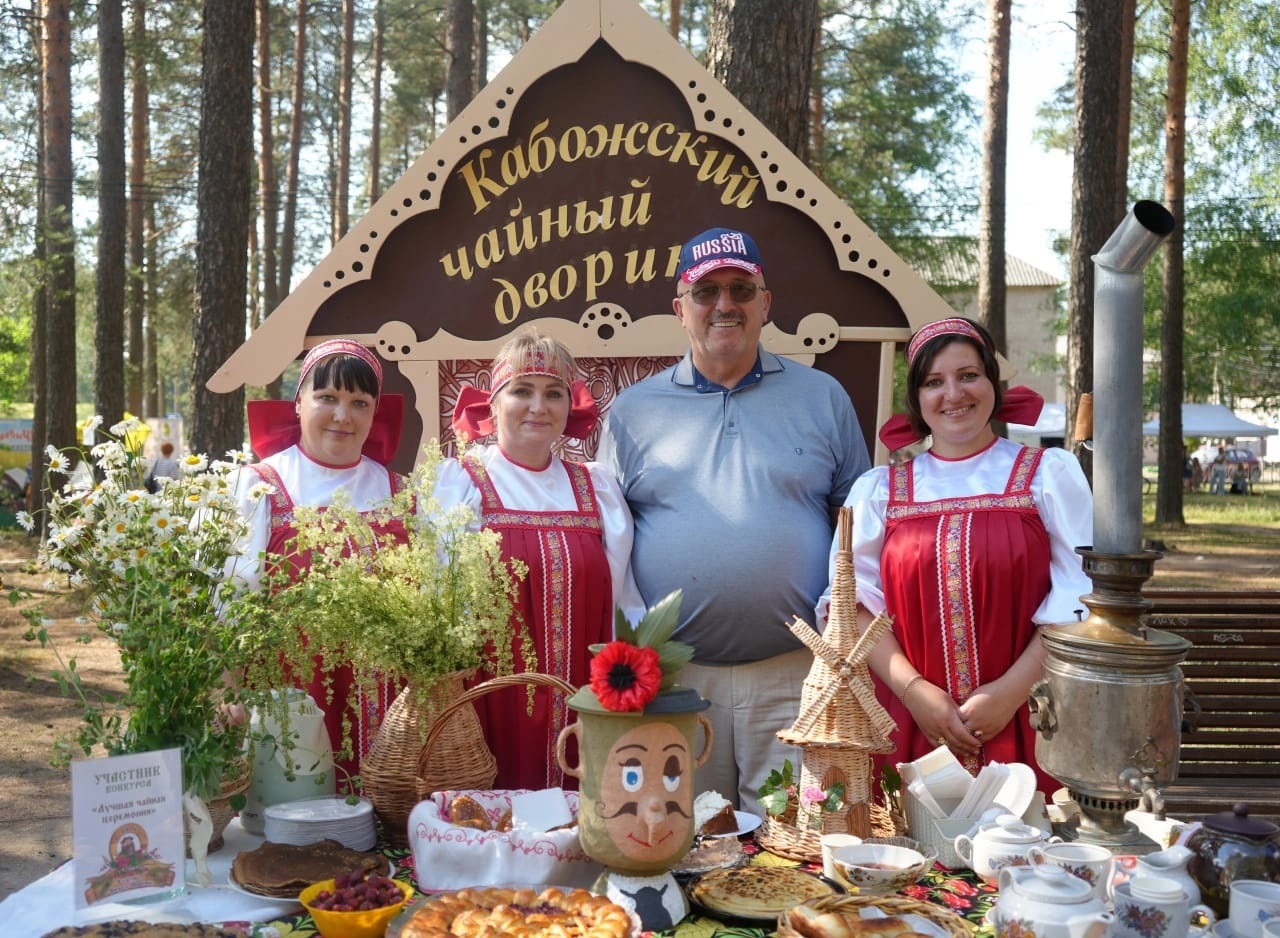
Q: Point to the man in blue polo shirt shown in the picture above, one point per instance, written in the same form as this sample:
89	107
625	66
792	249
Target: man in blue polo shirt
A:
733	462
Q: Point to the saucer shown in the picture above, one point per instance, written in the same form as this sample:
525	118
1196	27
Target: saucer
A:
746	824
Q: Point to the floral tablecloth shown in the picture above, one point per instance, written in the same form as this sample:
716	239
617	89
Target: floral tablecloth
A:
46	904
958	890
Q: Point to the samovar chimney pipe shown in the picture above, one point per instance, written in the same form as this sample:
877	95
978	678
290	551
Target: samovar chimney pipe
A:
1117	377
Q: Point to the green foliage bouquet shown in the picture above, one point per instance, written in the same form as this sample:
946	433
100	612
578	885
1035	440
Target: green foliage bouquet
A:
155	568
406	593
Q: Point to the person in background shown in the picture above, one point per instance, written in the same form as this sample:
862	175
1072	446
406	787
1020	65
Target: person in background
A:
733	462
566	521
337	435
970	547
165	466
1218	473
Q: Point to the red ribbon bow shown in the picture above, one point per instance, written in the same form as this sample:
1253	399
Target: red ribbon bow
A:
1021	405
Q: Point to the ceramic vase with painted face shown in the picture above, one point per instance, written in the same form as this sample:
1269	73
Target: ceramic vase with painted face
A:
635	778
635	798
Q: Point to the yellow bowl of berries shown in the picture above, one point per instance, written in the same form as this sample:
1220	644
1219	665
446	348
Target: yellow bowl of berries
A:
355	905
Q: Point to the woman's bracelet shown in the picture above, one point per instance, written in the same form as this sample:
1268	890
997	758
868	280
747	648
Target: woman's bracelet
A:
902	697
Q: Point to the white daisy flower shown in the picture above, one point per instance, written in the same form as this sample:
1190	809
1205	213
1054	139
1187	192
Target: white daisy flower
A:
163	524
58	461
128	425
26	521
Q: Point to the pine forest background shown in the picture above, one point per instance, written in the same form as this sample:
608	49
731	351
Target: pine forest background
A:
168	168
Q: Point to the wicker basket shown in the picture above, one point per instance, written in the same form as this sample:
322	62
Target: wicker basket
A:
387	772
779	836
851	907
433	772
234	782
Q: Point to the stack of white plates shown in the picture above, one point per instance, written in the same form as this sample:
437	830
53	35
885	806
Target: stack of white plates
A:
329	817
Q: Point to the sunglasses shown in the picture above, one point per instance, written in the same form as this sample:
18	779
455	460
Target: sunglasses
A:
707	294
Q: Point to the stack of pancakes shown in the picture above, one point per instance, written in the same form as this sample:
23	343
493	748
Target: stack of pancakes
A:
281	871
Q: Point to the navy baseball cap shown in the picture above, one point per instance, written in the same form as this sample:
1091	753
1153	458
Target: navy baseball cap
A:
716	248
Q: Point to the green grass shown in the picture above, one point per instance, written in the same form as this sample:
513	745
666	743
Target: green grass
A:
1246	526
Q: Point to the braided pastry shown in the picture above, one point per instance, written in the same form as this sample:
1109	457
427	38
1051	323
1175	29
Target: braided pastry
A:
518	913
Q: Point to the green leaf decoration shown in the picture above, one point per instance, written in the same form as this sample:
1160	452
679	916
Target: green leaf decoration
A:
672	656
659	621
621	628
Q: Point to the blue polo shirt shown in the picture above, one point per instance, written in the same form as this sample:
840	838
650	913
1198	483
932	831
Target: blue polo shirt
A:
732	493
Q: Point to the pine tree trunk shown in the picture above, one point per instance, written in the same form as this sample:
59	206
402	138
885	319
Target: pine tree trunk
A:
60	270
108	376
992	282
766	61
375	115
268	190
1173	453
342	172
222	224
136	313
1094	179
459	77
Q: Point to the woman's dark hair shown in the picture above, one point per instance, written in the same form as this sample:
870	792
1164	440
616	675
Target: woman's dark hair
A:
923	362
344	372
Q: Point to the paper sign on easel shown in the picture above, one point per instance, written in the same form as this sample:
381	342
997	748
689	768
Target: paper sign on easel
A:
127	827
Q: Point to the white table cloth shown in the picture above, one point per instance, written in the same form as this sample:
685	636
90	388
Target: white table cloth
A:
49	902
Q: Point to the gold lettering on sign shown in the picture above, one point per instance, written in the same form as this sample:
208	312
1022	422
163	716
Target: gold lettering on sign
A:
493	173
541	151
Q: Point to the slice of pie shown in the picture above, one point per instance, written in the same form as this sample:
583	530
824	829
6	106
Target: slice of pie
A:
714	815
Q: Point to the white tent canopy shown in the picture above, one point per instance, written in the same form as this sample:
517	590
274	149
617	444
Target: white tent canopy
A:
1211	420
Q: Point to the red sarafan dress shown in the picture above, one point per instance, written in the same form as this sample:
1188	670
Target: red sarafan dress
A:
331	690
566	602
963	577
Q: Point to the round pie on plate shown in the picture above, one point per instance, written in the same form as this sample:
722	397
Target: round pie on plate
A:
526	913
757	892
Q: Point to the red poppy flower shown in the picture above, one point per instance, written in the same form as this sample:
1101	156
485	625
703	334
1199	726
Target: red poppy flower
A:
625	676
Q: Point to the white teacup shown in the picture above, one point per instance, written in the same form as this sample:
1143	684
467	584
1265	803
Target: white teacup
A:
1271	928
1154	907
1090	862
831	843
1253	902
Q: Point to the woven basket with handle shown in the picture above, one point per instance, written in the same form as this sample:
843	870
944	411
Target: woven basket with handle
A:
435	771
851	907
387	772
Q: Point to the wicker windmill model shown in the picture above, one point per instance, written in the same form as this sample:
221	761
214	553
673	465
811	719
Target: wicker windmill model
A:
840	724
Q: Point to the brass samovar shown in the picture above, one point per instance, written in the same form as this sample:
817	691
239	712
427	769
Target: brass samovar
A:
1108	710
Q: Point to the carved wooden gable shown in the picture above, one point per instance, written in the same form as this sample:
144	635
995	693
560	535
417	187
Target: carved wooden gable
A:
561	196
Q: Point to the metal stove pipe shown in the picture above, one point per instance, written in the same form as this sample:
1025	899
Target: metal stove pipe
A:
1117	376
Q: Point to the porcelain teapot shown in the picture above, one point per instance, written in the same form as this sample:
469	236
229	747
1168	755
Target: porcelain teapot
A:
1171	864
1007	841
1048	902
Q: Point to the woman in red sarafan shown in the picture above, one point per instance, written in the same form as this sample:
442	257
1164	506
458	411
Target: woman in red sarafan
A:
970	546
337	435
566	521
